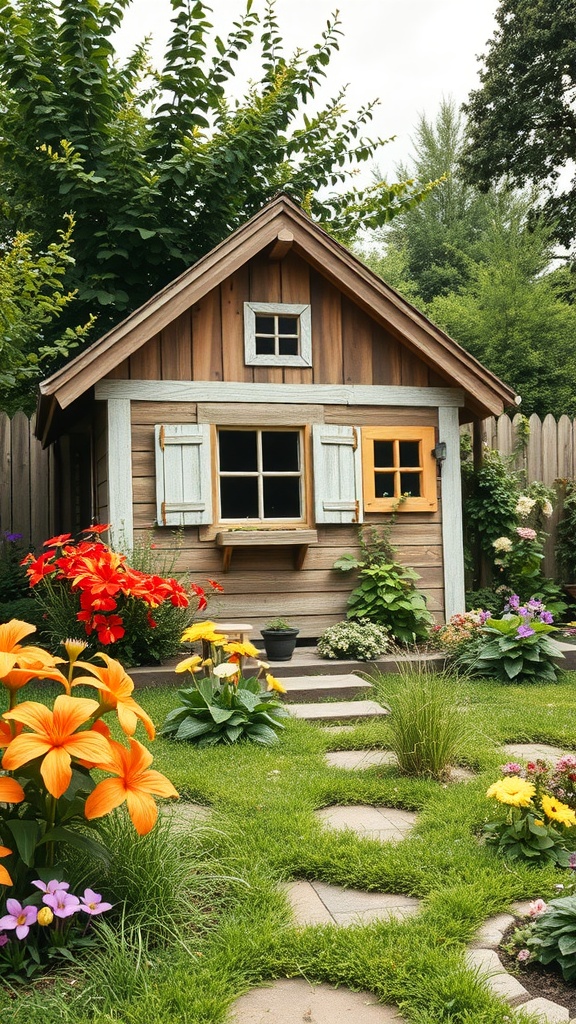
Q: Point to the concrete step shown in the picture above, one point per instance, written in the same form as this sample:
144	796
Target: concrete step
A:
339	711
308	689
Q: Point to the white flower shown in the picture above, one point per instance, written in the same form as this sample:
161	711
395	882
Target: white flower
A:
524	505
502	544
225	670
547	509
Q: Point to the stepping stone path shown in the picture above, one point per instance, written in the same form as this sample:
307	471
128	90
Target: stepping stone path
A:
532	751
357	760
385	824
295	1001
319	903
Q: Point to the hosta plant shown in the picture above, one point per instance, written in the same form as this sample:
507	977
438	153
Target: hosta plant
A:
359	639
387	595
223	705
515	648
553	938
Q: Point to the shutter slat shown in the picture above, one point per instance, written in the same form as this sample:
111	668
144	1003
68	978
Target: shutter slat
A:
183	474
337	474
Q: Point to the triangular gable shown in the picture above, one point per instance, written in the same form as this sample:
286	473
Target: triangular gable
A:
281	222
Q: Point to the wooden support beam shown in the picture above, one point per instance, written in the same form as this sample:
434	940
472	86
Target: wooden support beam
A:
282	245
298	539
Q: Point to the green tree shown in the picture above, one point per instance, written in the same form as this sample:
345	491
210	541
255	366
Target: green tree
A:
522	120
482	267
32	300
158	167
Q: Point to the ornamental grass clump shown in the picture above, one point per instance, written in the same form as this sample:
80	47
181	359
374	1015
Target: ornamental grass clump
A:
359	639
87	586
223	705
49	799
540	825
515	648
427	726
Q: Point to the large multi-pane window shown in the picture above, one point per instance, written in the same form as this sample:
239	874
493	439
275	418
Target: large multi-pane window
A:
260	475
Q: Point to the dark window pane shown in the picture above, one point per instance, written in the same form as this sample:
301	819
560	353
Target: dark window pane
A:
282	497
265	325
238	451
265	347
280	451
239	497
384	485
411	483
287	325
383	454
409	453
288	346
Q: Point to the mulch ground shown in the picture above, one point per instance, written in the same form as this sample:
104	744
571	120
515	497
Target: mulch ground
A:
539	981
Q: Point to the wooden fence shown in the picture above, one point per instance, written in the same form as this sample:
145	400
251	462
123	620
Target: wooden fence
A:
28	501
27	482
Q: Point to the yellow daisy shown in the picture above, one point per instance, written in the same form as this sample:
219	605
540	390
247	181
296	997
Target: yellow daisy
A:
512	790
557	811
274	684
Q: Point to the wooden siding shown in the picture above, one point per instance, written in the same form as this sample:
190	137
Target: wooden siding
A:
207	342
262	583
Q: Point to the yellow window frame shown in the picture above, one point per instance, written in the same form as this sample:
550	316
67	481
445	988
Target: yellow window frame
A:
427	501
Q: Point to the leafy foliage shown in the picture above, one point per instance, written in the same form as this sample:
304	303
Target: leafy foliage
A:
211	713
566	533
33	298
13	578
553	938
515	648
521	119
160	166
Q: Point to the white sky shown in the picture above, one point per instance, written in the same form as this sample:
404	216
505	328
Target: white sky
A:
407	53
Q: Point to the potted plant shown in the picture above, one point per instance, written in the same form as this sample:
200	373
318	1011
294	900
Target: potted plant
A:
279	639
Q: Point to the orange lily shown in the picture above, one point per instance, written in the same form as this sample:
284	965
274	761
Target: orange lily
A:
13	653
116	689
4	876
136	784
53	737
18	677
7	734
11	792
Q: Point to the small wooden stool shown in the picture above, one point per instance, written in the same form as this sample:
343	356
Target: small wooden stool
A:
236	632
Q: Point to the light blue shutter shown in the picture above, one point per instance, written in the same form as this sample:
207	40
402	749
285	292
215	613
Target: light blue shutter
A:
183	474
337	473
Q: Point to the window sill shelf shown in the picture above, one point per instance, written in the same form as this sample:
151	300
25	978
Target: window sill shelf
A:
298	539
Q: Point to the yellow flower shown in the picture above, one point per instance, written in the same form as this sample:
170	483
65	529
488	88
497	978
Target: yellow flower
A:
538	822
512	790
191	664
45	917
274	684
203	631
246	649
558	811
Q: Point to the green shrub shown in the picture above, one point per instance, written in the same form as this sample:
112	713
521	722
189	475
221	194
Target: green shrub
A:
426	721
515	648
359	639
25	609
13	578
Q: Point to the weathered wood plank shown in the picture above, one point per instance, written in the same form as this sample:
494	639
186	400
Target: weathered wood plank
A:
223	414
566	466
265	286
382	416
146	363
207	338
149	413
357	344
534	460
386	357
326	332
6	469
549	451
40	505
176	349
414	371
234	293
295	287
21	519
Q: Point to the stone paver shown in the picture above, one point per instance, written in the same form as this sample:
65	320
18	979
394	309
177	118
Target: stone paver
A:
295	1001
338	710
386	824
490	935
319	903
359	759
489	967
546	1011
532	751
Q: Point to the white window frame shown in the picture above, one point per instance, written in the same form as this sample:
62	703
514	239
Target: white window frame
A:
261	474
300	310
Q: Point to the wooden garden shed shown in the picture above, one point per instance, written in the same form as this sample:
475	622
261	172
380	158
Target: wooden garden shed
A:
261	406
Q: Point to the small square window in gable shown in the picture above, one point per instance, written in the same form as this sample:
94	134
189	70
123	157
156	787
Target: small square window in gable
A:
277	334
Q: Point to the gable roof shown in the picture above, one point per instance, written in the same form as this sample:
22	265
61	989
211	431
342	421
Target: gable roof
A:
280	219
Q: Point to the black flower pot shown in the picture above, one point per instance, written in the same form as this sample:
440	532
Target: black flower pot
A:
279	643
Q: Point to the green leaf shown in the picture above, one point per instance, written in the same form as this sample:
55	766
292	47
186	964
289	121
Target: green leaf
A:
27	836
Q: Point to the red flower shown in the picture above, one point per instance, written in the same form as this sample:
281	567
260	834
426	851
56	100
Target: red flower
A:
57	542
216	586
151	622
40	568
109	628
89	602
97	528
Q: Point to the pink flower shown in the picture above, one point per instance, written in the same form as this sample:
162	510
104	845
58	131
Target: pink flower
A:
52	886
64	904
537	907
3	940
511	768
523	955
567	761
526	533
92	902
18	917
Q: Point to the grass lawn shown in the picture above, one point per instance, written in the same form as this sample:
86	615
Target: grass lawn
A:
262	831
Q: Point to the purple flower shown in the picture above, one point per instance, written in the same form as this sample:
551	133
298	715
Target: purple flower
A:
52	886
64	904
525	631
3	940
18	917
513	602
92	902
547	617
572	861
